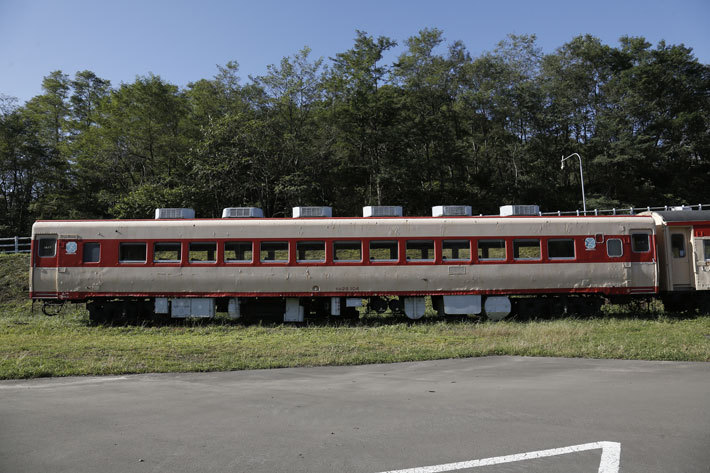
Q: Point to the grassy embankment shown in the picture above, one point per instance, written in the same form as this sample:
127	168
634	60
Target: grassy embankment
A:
33	345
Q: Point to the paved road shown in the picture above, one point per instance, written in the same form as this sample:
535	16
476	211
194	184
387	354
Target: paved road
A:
364	418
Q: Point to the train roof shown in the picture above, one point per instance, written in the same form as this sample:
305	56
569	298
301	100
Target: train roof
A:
344	227
685	215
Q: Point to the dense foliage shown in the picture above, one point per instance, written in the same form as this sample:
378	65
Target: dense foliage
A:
436	126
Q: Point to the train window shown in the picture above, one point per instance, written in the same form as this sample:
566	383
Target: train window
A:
47	247
640	243
131	252
456	250
203	252
614	247
560	249
91	252
384	250
274	252
678	245
420	250
527	249
347	251
166	252
310	251
491	249
238	252
706	247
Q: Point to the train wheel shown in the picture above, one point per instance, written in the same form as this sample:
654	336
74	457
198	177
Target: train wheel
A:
98	313
396	305
584	306
378	305
530	307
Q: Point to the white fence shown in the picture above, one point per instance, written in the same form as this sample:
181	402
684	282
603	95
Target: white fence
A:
16	244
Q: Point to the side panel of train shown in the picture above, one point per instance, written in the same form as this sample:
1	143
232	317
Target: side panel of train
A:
466	264
684	258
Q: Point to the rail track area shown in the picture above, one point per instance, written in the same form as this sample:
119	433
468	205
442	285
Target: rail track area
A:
497	414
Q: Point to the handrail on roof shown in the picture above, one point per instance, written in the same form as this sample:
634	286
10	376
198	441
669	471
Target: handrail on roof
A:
626	210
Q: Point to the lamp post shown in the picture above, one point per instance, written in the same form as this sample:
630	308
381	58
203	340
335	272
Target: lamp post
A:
581	177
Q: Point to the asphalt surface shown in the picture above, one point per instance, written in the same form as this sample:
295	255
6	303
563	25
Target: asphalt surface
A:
365	418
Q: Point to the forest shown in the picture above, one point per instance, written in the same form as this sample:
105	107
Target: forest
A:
435	126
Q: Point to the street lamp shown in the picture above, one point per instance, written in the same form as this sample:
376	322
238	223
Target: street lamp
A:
581	176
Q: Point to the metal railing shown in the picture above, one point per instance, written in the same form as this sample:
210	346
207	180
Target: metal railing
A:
15	244
627	210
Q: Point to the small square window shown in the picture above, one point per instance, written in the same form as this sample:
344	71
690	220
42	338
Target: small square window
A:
614	248
91	252
166	252
132	252
203	252
384	250
456	250
678	245
238	252
640	243
274	252
420	250
526	249
347	251
560	249
47	247
310	251
491	250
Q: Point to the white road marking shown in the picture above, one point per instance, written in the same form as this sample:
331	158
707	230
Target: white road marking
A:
60	384
609	463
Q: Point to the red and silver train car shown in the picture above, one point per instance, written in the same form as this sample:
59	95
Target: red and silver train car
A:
186	267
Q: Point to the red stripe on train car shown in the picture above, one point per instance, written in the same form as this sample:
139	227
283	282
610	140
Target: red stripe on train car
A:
110	252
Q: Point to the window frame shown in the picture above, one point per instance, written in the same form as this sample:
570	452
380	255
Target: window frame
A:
274	261
445	260
39	247
384	260
345	261
648	242
432	255
621	247
133	243
310	261
706	249
489	259
683	248
237	261
166	261
83	252
525	258
197	261
562	258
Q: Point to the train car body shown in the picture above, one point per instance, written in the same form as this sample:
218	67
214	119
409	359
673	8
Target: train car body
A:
165	263
684	258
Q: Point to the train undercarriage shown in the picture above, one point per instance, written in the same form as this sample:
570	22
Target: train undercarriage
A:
296	310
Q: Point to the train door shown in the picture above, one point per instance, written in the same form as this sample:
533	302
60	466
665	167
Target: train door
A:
702	263
681	261
44	268
643	274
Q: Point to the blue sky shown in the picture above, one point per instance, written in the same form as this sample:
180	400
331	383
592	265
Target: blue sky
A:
183	41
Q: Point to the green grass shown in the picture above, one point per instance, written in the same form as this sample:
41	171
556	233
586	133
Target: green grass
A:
33	345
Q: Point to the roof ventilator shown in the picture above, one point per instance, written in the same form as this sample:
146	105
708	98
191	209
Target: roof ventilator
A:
242	212
174	213
382	211
519	210
451	211
304	212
